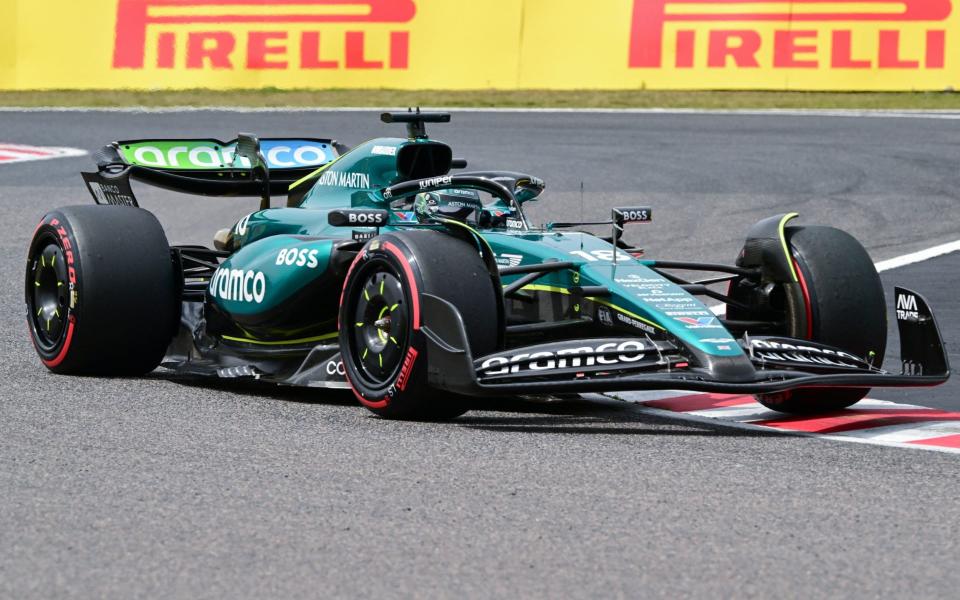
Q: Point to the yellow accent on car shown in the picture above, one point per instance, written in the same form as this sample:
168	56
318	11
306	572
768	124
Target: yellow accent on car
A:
536	287
314	174
783	240
625	311
319	338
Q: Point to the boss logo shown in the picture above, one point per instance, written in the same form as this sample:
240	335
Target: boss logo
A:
365	218
350	217
302	257
641	214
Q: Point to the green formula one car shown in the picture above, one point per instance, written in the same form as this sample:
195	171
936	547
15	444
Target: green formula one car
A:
417	288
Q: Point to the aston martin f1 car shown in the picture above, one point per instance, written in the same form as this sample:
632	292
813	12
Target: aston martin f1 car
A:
418	288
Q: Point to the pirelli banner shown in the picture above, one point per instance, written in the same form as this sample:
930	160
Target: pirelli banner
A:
478	44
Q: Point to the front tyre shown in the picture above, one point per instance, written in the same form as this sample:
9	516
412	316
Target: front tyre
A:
100	291
383	348
840	303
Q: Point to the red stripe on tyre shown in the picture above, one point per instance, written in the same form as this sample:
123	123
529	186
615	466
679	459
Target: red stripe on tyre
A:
66	345
806	298
414	293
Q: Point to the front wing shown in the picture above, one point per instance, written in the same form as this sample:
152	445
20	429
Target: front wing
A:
619	364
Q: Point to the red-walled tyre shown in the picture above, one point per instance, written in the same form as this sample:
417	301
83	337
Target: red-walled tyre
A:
383	348
100	291
840	303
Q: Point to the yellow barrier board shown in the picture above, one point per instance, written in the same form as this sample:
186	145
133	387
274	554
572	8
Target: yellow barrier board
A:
728	44
468	44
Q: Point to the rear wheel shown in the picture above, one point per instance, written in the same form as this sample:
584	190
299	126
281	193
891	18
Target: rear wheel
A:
384	350
838	301
100	291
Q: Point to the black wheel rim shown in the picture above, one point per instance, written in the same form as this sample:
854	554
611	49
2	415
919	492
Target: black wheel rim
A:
48	294
380	324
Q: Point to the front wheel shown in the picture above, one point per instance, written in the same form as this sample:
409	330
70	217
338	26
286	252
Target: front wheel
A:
383	347
838	301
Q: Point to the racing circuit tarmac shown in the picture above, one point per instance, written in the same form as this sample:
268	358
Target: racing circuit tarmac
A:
158	487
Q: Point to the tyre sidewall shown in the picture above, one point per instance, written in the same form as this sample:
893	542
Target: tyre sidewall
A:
388	399
56	227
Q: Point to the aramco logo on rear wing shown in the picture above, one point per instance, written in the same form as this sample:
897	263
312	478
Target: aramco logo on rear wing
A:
732	35
259	34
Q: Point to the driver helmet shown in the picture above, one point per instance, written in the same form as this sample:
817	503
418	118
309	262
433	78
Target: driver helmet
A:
453	203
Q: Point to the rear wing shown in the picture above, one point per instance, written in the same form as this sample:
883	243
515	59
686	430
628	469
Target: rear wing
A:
246	166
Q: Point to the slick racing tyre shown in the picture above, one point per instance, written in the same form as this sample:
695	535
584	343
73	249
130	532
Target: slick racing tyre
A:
100	290
384	350
839	302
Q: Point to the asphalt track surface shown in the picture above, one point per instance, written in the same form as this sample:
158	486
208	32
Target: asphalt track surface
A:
158	487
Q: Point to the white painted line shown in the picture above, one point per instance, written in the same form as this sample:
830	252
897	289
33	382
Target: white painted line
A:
949	114
915	257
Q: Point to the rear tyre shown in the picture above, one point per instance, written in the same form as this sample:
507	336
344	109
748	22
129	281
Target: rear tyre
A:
100	291
839	302
384	351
